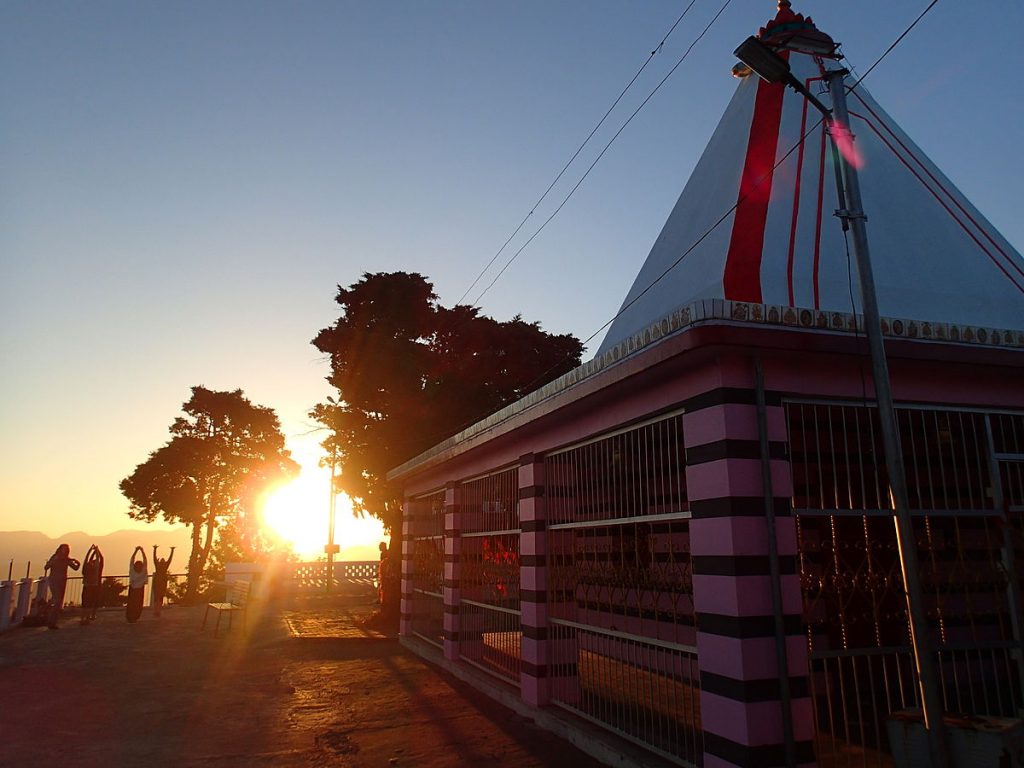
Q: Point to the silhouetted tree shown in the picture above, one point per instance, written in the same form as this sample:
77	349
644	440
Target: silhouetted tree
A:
222	451
410	372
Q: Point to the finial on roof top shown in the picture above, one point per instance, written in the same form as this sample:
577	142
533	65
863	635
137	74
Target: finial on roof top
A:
796	32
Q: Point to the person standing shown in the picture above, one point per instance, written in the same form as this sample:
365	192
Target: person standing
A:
382	571
161	568
138	576
57	571
92	578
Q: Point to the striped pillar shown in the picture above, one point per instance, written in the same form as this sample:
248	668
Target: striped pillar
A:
533	596
741	708
409	533
452	551
561	654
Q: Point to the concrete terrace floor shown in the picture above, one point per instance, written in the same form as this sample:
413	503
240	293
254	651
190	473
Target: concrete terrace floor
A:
298	685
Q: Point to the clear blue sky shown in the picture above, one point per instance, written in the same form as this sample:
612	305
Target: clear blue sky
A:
184	185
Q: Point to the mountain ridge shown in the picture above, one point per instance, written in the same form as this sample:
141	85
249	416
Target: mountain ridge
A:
27	551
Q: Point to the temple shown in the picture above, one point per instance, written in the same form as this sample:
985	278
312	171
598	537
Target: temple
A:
687	543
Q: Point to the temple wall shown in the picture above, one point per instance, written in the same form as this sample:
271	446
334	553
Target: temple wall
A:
731	667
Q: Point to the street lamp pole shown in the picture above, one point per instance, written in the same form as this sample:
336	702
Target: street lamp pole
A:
773	68
331	549
931	696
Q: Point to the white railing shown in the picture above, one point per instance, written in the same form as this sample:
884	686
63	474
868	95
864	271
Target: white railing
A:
19	597
298	577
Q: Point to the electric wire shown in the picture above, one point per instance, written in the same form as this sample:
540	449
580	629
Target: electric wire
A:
895	42
657	49
764	176
767	174
604	150
543	376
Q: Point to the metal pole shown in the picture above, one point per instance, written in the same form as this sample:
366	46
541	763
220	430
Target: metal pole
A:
781	657
931	697
331	508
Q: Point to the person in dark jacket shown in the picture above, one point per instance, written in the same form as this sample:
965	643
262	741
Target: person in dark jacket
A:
57	581
92	577
161	567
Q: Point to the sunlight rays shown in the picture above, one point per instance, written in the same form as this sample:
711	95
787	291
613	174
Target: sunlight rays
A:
296	513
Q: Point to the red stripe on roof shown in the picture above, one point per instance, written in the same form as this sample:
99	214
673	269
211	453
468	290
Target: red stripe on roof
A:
742	280
791	255
817	223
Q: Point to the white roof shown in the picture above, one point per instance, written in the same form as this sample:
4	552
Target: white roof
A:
777	240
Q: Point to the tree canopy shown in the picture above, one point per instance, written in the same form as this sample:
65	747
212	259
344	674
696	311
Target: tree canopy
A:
222	452
411	372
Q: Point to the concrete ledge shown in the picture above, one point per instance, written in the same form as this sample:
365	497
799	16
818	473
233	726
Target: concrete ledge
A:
599	744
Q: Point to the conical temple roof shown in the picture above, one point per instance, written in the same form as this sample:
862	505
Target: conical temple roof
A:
755	222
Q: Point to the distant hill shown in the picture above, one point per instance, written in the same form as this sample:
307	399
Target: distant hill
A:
24	547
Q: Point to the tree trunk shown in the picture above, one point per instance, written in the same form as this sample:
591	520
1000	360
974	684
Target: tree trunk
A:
199	555
192	582
204	552
391	606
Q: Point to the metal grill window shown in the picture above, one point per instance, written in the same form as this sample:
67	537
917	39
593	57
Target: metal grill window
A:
489	614
632	473
620	596
428	567
1008	447
854	604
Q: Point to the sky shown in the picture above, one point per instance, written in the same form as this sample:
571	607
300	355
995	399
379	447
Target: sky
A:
183	186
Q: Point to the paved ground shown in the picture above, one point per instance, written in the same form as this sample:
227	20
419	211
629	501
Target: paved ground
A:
298	686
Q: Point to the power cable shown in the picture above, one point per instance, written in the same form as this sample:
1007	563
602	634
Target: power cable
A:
895	42
762	178
542	378
707	232
533	208
603	151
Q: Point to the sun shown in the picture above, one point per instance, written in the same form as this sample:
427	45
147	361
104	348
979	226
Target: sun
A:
297	513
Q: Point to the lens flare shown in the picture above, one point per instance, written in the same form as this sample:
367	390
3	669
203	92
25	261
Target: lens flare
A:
844	141
297	513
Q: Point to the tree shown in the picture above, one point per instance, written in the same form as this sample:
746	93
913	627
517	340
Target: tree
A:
224	450
410	372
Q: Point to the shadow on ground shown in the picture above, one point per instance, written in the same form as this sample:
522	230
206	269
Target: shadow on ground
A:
304	684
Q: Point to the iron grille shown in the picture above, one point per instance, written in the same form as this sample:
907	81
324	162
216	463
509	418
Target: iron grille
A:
854	603
636	472
620	596
489	614
428	567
